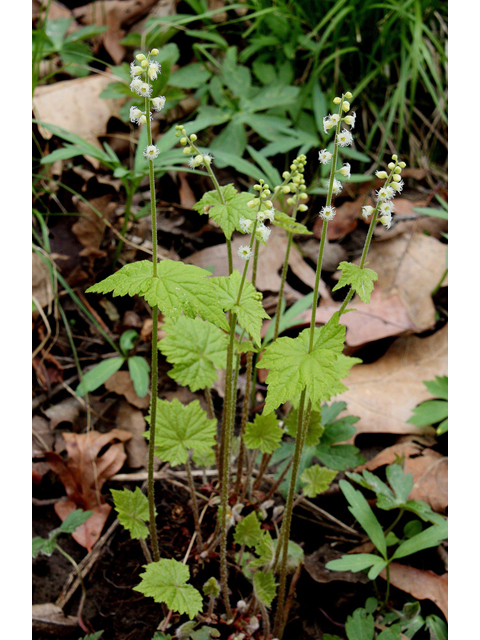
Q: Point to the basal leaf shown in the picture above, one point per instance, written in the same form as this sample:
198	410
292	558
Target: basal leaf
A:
180	428
195	348
401	482
248	530
99	374
132	510
165	581
360	279
265	587
264	433
293	368
339	456
353	562
249	310
431	537
316	480
360	625
140	374
74	520
179	288
314	428
228	210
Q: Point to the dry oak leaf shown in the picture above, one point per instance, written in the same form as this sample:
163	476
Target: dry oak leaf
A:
421	584
90	228
83	475
122	383
132	420
75	105
384	393
345	220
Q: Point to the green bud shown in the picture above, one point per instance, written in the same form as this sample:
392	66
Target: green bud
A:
286	189
285	175
398	170
395	157
396	178
187	151
391	165
402	165
302	207
193	137
154	52
183	141
346	106
290	201
140	57
348	95
337	100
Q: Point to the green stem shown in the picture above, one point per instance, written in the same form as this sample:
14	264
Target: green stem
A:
196	519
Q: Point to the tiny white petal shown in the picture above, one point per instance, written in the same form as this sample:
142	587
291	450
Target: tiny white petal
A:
344	138
151	152
327	213
324	156
244	252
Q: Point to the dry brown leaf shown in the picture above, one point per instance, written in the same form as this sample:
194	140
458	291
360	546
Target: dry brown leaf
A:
49	619
122	383
76	105
66	411
345	221
90	227
430	474
315	566
407	447
424	585
333	253
41	284
132	420
187	197
115	14
411	267
83	475
55	9
384	393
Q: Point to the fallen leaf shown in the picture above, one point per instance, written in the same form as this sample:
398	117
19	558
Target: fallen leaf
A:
345	221
49	618
407	447
48	370
52	9
187	197
122	383
132	420
315	566
41	284
42	438
66	411
90	227
384	393
76	105
430	474
83	475
421	584
333	253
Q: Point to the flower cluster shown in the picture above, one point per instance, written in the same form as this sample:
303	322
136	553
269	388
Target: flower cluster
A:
188	142
393	185
265	211
295	183
143	70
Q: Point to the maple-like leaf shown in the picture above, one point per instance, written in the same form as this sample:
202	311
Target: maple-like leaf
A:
132	510
178	288
317	479
293	368
249	310
289	224
248	531
265	587
263	433
180	428
360	279
226	212
195	347
165	581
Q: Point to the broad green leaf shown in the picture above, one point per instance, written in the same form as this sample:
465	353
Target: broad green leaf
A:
394	632
205	633
227	209
231	141
295	555
248	531
353	562
429	412
362	511
140	374
315	428
361	280
264	433
401	482
289	224
165	581
342	365
265	550
229	159
431	537
271	97
195	348
438	387
317	479
293	368
249	310
43	545
178	288
132	510
437	627
98	375
191	76
328	636
69	525
360	625
268	169
180	428
339	456
211	587
265	587
74	520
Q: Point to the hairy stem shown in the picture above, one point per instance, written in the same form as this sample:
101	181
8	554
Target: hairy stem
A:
191	485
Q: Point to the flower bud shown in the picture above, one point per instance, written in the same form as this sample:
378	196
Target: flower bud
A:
395	157
154	52
346	106
193	137
402	165
183	141
391	165
144	64
290	201
381	174
268	203
398	170
302	207
396	178
348	95
286	189
285	175
337	100
186	151
140	57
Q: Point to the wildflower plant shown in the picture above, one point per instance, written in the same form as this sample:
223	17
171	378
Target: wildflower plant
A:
211	323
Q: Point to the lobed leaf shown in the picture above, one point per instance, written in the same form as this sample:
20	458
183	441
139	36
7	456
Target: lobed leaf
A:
361	280
431	537
248	531
264	586
317	479
132	510
226	209
264	433
360	625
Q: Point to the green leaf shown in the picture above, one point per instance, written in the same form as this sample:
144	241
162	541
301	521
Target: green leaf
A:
293	368
361	280
360	625
178	288
270	97
264	433
437	627
265	550
165	581
205	633
362	511
354	562
289	224
288	318
429	412
191	76
93	636
226	210
264	586
248	531
442	427
438	387
140	374
249	310
74	520
98	375
128	340
132	510
195	348
317	479
401	482
339	456
431	537
211	587
315	428
180	428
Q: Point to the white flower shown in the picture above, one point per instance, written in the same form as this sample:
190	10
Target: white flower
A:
135	70
327	124
263	232
135	114
397	186
324	156
207	159
270	214
151	152
135	84
244	252
345	170
158	103
337	187
245	225
261	216
367	212
350	120
327	213
385	193
335	118
153	69
386	207
386	220
241	606
252	625
195	161
344	138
